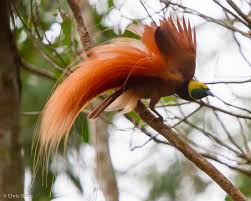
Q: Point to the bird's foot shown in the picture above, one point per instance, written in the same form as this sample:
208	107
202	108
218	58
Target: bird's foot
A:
159	118
158	114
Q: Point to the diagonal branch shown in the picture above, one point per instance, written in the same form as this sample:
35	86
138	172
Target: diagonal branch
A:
40	72
230	82
82	30
239	11
208	18
190	153
223	111
230	12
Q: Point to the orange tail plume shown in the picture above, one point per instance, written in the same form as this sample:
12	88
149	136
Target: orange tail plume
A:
109	66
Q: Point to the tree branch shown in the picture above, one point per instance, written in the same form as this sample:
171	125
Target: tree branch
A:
238	10
41	72
208	18
222	110
105	171
190	153
230	12
11	160
214	158
230	82
82	30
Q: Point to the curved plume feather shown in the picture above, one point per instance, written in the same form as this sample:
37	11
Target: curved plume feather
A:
110	66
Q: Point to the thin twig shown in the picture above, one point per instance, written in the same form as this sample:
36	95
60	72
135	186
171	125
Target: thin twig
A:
190	153
215	158
33	113
208	18
230	82
37	43
82	30
223	111
215	153
207	155
173	105
105	170
34	21
229	135
239	11
238	43
186	117
35	70
230	12
211	136
245	140
147	11
234	106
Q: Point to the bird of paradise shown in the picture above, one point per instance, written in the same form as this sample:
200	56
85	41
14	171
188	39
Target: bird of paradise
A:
161	64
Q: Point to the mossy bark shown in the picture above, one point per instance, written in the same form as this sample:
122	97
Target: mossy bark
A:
11	172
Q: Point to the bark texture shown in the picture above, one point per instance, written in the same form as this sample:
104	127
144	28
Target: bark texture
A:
11	172
190	153
105	171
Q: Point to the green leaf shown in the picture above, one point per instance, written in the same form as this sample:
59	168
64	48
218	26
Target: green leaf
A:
110	3
130	34
44	192
168	99
228	198
136	119
82	127
244	184
66	31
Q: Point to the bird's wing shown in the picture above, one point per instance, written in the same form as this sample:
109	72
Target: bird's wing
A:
177	44
149	40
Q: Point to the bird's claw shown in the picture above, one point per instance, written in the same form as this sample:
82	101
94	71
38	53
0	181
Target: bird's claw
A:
159	118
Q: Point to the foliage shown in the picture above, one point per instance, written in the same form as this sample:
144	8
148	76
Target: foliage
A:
35	24
170	182
46	38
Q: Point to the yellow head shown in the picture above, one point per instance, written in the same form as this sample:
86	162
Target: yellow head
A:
194	90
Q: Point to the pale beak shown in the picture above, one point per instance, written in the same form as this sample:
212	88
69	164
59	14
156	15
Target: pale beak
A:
209	93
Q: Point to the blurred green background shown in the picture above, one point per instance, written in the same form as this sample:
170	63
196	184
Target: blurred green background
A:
48	43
